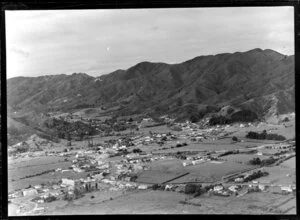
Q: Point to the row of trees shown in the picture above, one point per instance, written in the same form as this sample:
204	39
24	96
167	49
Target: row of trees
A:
265	162
256	175
264	136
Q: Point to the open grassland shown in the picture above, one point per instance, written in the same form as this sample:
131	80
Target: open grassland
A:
166	202
28	171
205	172
284	174
211	172
242	158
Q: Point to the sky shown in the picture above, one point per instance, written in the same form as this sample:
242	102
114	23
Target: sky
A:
96	42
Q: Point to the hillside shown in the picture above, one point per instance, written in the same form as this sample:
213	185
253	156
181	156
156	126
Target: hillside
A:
260	80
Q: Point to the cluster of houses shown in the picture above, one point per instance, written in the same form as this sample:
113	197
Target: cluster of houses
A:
194	161
275	149
121	174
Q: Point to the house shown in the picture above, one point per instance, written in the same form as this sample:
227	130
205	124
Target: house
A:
197	161
286	189
233	188
30	192
143	187
37	187
69	182
218	188
17	194
239	180
40	201
169	187
187	163
78	170
268	152
261	187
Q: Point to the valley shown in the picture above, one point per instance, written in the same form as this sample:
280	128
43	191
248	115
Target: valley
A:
211	135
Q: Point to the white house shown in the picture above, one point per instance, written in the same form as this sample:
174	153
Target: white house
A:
218	188
233	188
142	187
68	182
286	188
30	192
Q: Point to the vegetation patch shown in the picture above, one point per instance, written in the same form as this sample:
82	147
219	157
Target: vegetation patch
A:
264	136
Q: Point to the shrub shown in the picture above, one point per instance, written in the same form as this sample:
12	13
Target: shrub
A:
190	188
268	161
194	118
78	194
164	138
255	161
234	138
276	137
68	197
137	150
130	120
179	145
156	186
286	119
23	148
50	199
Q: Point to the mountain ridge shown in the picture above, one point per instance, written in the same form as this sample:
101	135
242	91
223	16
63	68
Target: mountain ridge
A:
216	80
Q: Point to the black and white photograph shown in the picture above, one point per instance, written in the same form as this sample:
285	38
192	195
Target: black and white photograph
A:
151	111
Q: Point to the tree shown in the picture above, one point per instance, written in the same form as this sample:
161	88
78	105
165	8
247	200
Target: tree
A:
194	118
255	161
234	138
137	150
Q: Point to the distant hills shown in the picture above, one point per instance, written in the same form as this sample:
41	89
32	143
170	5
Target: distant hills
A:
259	80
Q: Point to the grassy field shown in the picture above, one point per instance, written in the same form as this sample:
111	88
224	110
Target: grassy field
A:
206	172
242	158
211	172
157	176
142	202
20	168
166	202
288	131
251	203
283	174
